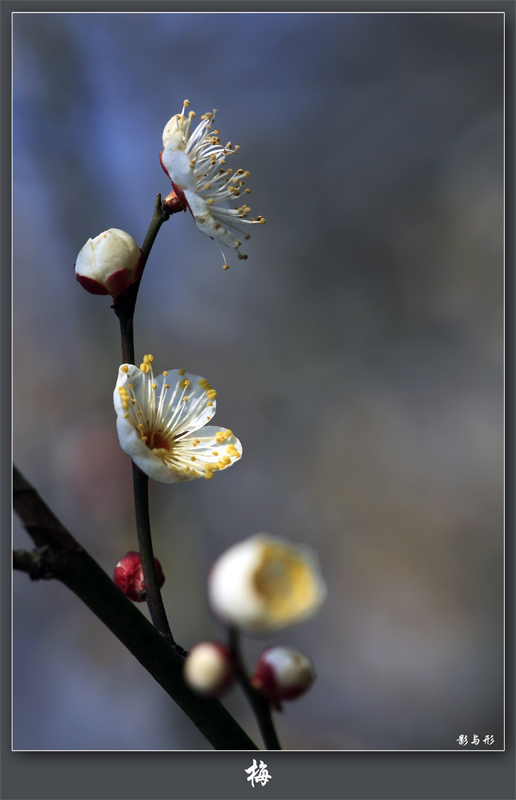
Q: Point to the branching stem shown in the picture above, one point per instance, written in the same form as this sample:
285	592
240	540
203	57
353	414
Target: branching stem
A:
59	556
125	303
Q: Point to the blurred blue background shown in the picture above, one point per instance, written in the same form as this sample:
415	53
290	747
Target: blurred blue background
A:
357	354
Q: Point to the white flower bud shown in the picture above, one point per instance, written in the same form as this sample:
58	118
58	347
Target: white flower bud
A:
264	584
283	674
209	668
109	263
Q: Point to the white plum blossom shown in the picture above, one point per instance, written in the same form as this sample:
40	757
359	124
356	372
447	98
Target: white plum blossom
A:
162	424
196	165
264	584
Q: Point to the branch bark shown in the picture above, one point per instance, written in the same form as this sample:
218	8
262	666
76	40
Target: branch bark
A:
60	556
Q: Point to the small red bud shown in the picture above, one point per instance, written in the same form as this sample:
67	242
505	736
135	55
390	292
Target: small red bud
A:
128	576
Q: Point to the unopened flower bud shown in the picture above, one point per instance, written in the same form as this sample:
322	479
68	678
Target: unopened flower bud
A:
209	668
110	263
264	584
283	674
129	576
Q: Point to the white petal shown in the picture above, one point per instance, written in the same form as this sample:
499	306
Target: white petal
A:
206	222
211	448
173	133
231	591
179	167
186	415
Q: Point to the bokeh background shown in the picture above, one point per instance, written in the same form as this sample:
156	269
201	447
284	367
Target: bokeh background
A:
358	355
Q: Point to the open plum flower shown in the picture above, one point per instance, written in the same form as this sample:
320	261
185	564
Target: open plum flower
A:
195	162
264	584
162	424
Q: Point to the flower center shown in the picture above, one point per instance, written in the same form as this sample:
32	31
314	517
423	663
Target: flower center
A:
155	440
284	582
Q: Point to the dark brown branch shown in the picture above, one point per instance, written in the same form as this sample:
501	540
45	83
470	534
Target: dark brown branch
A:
61	556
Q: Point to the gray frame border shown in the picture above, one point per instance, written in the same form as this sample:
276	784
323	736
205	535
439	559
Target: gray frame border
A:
467	775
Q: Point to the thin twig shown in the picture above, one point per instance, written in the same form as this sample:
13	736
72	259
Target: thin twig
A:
154	600
125	303
258	702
